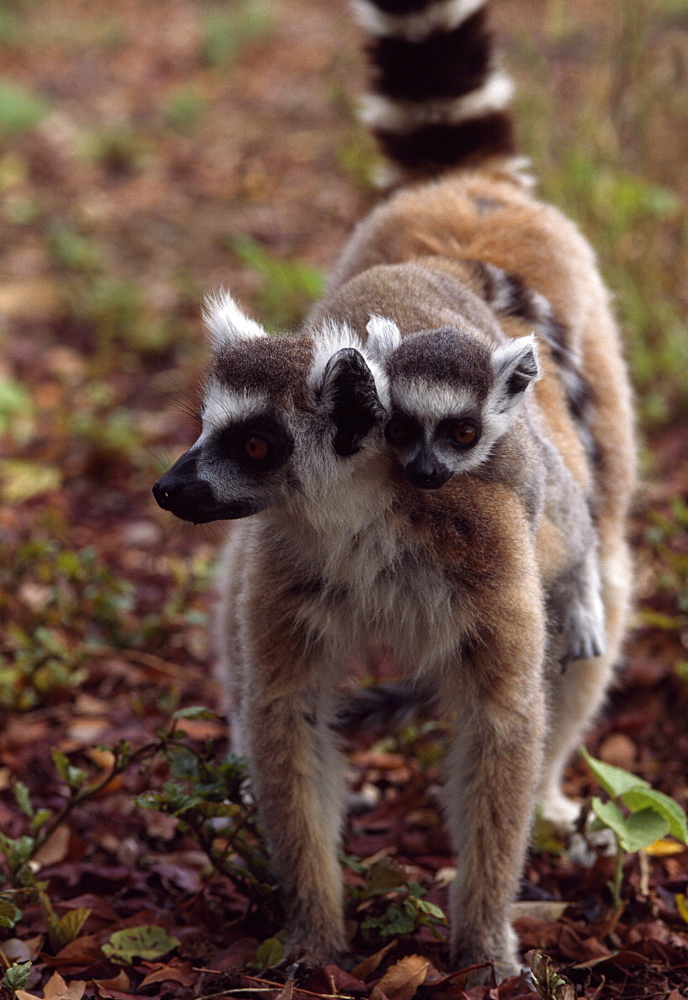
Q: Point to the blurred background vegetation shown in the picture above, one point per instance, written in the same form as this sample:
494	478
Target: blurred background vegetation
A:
154	152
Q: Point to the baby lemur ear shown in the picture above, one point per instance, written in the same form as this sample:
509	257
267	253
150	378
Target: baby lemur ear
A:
515	367
226	322
349	394
383	337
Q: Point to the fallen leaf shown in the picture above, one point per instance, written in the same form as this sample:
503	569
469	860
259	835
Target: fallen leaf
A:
55	848
176	972
21	479
402	980
546	910
143	941
108	987
14	950
368	966
664	848
57	989
288	991
32	298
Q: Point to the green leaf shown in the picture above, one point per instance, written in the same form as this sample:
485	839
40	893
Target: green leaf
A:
433	911
194	712
70	925
269	953
638	799
17	976
61	762
384	876
147	941
9	914
633	832
614	780
21	794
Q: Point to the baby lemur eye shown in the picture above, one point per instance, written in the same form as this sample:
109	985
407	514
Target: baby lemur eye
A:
257	448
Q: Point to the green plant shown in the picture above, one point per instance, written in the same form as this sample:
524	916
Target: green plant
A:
20	109
224	32
636	814
15	977
404	910
210	801
208	798
183	109
72	251
118	149
288	287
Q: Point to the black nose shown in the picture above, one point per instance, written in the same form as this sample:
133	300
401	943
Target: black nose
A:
165	491
426	473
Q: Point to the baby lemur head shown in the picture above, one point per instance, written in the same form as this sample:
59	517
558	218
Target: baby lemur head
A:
285	420
454	392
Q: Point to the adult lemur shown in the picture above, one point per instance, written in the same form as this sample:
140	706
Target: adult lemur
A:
413	483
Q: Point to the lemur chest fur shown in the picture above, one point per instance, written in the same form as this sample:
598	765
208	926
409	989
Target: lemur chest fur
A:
411	579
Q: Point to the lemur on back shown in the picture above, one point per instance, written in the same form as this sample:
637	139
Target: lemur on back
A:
440	462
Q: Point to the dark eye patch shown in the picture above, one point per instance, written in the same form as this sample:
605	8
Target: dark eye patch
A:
259	445
402	430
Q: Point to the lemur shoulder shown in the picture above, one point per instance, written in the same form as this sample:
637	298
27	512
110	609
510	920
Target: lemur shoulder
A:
441	461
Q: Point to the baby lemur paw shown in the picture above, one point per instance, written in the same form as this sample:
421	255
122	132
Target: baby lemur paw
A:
584	633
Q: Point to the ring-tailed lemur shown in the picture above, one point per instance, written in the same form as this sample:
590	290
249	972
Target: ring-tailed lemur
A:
342	549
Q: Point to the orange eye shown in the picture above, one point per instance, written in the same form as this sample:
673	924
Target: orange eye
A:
256	448
465	434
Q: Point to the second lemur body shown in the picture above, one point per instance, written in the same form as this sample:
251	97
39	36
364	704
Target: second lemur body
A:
488	316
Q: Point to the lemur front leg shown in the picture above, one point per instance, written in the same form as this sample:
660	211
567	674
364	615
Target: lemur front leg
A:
298	783
493	772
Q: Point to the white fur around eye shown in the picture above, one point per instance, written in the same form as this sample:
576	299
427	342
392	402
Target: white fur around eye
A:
430	401
222	406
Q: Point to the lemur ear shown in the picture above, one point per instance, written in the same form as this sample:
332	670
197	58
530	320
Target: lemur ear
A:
515	367
226	322
383	337
349	393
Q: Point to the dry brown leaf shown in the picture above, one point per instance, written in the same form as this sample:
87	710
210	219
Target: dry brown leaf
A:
57	989
32	298
287	992
107	988
402	980
549	911
54	849
176	972
368	966
14	950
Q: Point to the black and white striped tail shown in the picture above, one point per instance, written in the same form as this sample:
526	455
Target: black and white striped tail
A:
439	98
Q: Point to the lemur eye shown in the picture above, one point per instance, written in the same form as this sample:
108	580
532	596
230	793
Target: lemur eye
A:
465	434
256	448
397	431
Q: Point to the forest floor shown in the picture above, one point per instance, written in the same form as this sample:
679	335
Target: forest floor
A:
151	153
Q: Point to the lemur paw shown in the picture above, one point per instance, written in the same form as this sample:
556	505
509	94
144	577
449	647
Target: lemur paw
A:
584	634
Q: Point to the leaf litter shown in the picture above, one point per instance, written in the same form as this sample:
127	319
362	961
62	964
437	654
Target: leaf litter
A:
104	605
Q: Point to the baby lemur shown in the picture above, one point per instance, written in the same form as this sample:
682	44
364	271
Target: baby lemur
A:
440	462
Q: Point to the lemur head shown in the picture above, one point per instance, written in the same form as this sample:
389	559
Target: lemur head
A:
454	393
285	419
